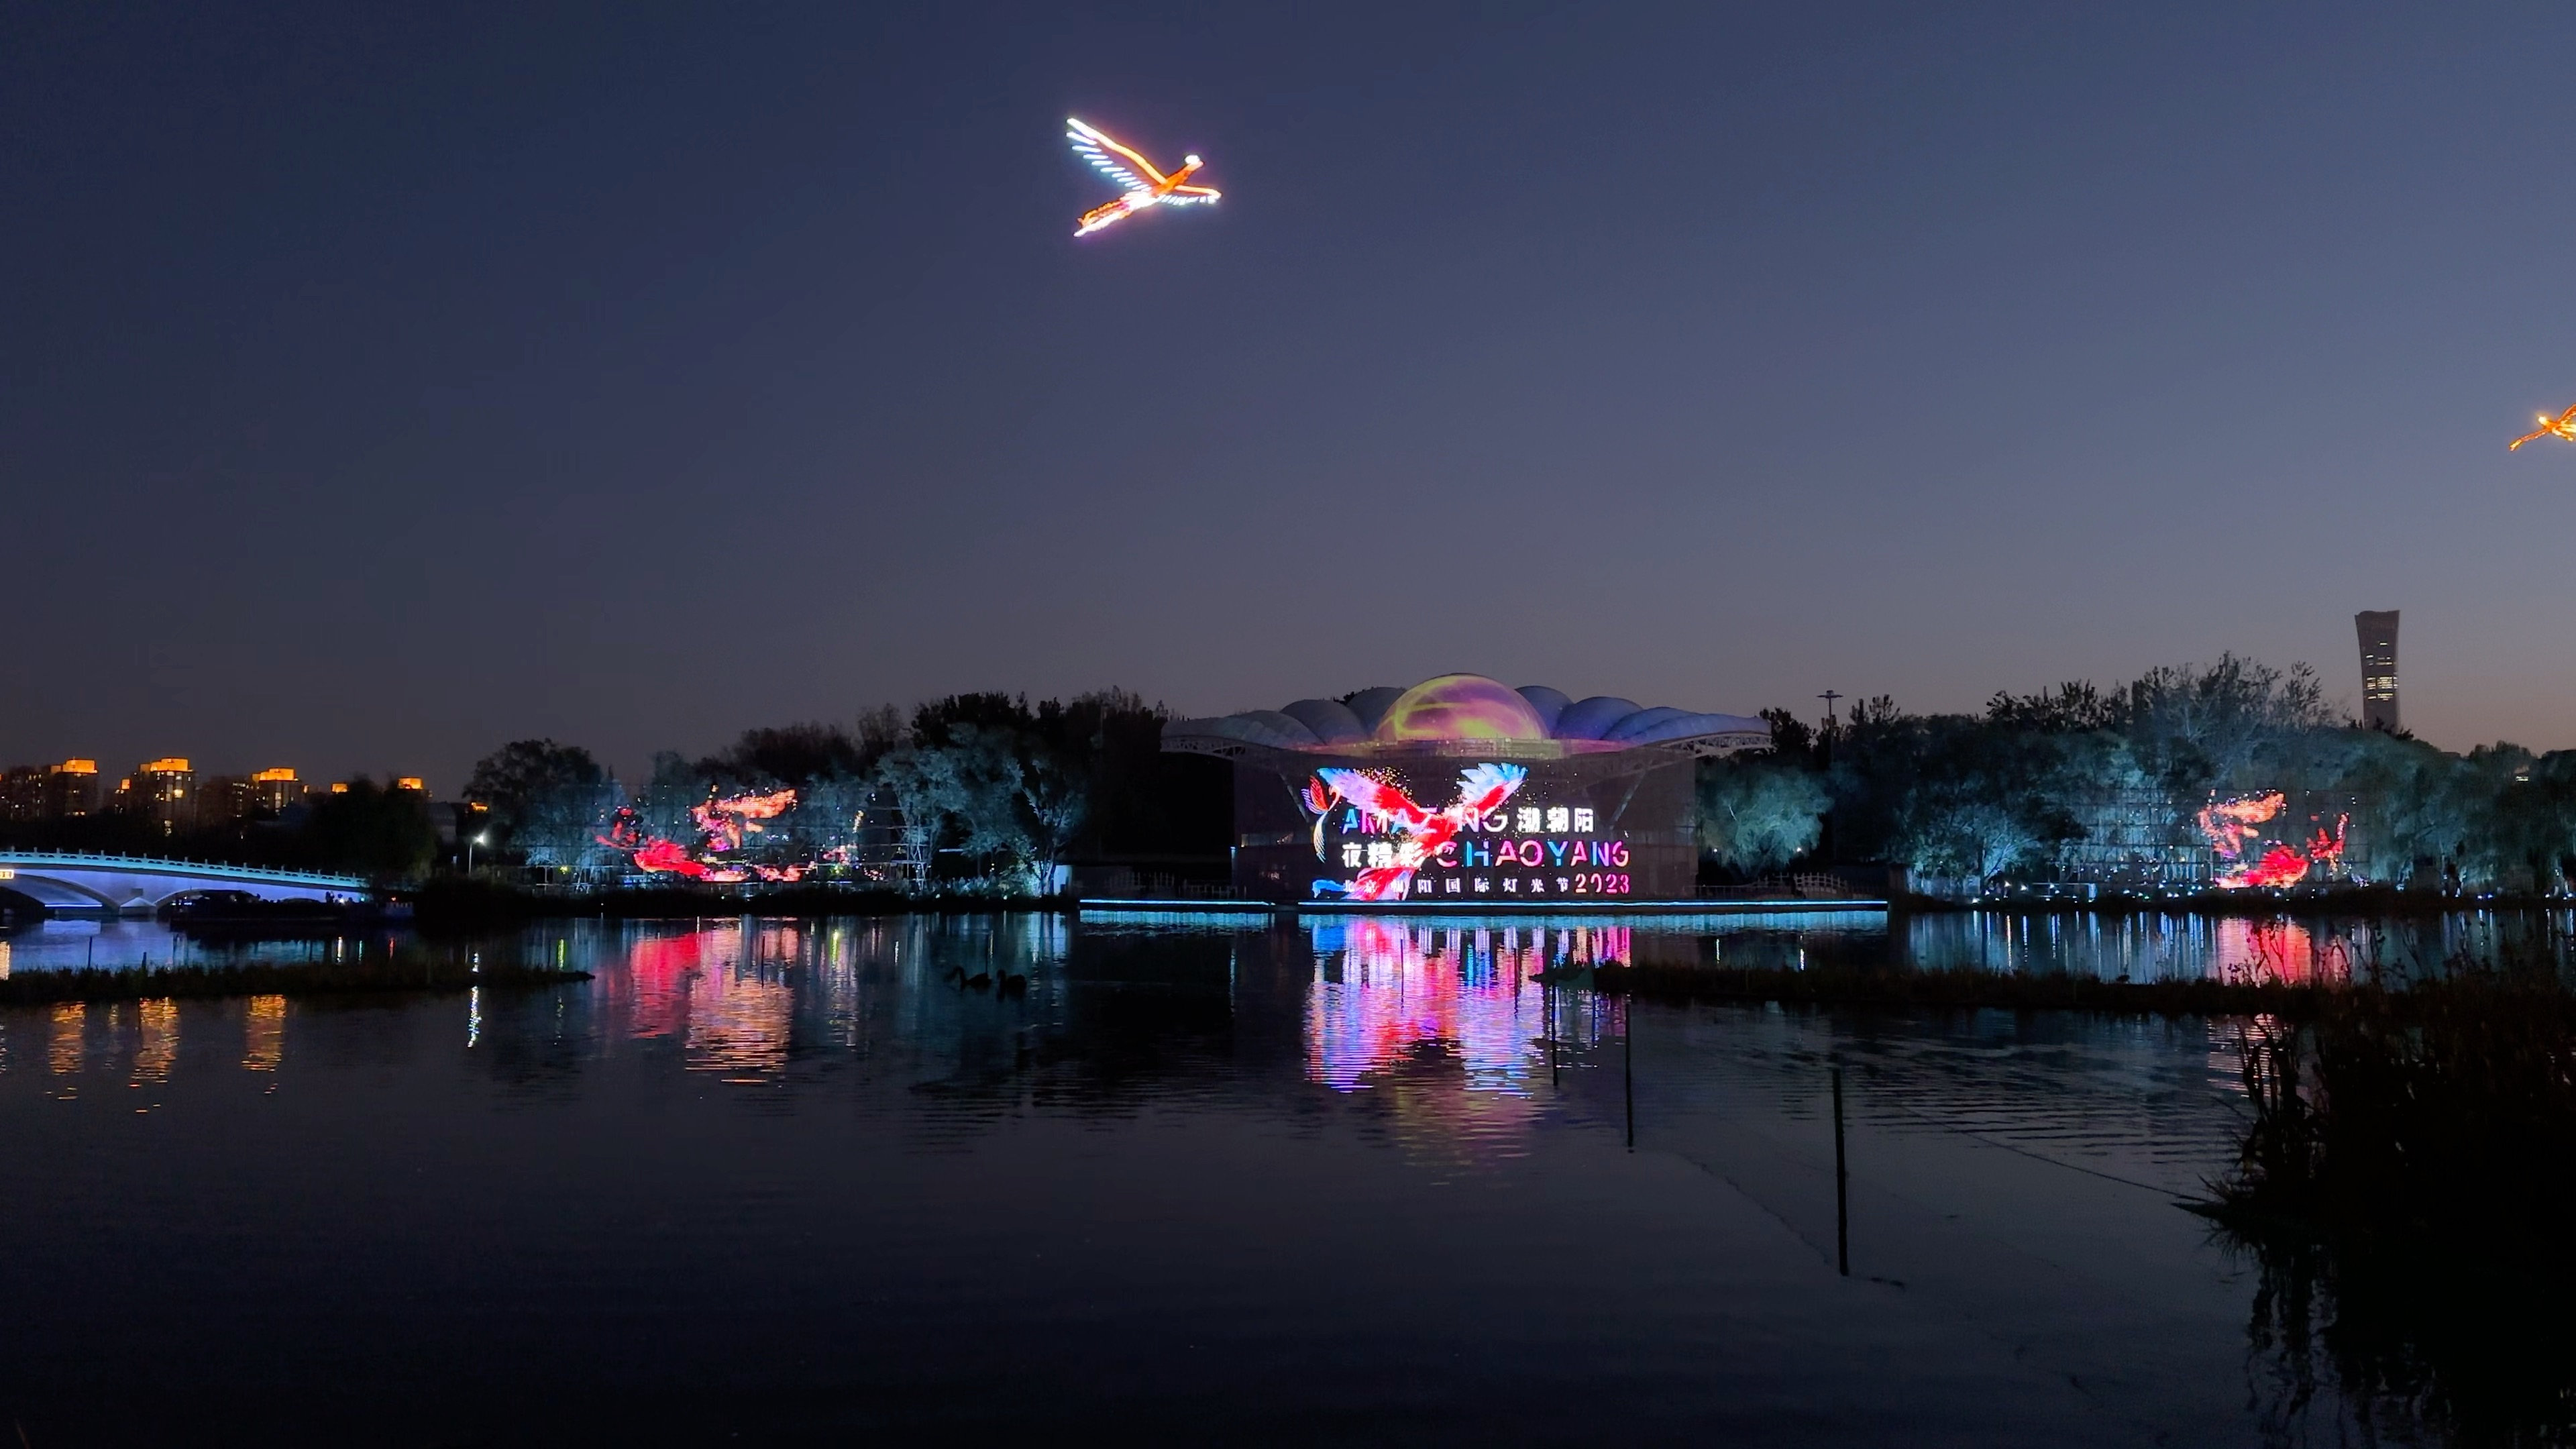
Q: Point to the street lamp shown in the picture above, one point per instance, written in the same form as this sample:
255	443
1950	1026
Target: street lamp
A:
469	851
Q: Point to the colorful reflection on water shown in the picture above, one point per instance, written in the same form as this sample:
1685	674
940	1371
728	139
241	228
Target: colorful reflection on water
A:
1386	991
157	1040
264	1034
740	997
1376	1002
67	1043
996	1117
2291	949
721	993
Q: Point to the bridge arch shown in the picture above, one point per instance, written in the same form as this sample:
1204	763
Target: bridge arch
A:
59	895
137	885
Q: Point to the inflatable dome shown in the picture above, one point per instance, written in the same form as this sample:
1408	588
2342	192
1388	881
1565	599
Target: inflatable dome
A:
1460	707
1453	710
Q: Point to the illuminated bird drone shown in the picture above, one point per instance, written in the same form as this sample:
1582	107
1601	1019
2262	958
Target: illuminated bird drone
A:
1144	186
2562	426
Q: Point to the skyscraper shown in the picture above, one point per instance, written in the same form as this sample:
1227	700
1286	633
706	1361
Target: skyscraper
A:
2378	630
272	790
159	791
71	789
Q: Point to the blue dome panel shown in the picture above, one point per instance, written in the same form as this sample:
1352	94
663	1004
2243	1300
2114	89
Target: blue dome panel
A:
1267	727
1371	705
1635	725
1592	719
1330	719
1549	703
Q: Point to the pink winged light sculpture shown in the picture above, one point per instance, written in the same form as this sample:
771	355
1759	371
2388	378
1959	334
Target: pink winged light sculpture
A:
1480	788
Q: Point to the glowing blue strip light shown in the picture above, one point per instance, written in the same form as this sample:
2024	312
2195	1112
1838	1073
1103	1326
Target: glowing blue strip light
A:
1491	908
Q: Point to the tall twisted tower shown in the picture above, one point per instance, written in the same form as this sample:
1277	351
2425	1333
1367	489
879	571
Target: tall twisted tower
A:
2378	630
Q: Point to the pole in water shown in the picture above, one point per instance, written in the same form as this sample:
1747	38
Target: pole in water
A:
1842	1204
1547	1026
1628	1064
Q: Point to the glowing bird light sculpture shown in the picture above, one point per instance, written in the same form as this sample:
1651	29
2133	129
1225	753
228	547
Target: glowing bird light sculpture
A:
2562	426
1481	788
1142	184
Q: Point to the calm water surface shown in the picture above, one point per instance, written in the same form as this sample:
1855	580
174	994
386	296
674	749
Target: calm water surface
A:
1234	1180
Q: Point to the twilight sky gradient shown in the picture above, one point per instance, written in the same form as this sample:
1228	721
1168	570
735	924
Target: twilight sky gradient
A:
381	386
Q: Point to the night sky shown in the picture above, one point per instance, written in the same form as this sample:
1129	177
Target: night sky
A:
383	383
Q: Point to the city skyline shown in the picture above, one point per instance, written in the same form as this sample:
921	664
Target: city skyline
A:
2355	702
427	400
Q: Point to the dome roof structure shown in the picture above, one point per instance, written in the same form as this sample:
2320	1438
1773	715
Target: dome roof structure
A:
1459	707
1466	714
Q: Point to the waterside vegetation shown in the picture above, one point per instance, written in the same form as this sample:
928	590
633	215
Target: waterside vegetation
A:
2083	784
2073	784
2405	1185
985	796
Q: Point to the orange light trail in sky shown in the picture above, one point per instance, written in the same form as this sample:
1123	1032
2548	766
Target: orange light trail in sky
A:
2562	426
1140	181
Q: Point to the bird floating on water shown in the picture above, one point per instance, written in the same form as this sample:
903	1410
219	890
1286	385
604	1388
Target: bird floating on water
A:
1142	183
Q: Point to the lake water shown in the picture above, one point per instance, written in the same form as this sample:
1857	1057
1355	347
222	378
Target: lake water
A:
1240	1180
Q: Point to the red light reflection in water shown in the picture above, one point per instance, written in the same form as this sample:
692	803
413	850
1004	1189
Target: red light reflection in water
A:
2277	952
710	988
1386	990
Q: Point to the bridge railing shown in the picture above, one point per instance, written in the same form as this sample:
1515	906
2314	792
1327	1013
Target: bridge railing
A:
247	873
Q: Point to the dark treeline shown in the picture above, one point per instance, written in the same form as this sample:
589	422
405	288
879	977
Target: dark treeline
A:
2082	783
1001	790
972	789
991	791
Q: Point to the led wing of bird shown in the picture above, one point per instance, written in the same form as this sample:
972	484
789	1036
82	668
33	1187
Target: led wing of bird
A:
1141	183
2562	426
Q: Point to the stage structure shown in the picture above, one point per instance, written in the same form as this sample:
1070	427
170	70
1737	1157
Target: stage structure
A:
1463	791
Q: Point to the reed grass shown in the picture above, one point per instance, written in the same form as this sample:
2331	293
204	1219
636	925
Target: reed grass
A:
2407	1183
2443	1111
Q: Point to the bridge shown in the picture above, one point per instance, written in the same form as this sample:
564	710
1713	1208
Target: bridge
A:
136	885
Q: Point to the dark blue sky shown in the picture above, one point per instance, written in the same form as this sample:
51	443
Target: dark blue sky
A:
382	386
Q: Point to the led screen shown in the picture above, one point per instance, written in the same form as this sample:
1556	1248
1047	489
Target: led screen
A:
1461	830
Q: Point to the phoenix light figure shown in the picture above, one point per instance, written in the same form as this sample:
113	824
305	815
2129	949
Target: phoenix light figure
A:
1480	788
2562	426
1142	184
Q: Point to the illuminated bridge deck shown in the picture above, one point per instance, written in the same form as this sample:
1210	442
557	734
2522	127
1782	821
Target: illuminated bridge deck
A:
140	885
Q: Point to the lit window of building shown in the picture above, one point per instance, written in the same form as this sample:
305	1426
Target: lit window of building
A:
2378	631
273	790
22	793
71	789
161	791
